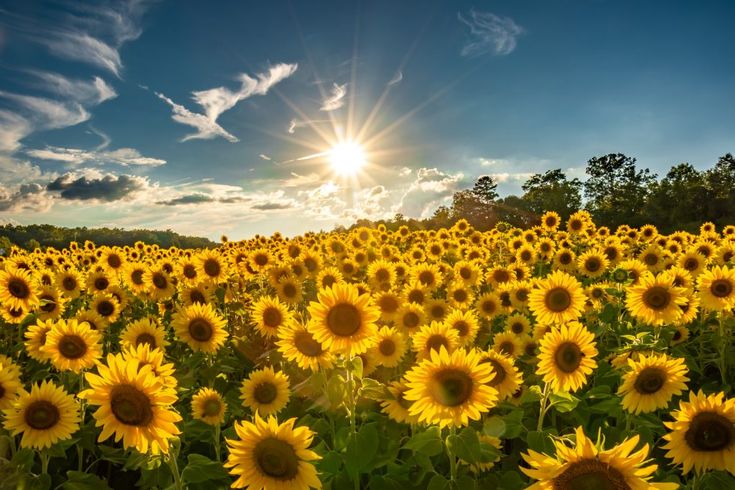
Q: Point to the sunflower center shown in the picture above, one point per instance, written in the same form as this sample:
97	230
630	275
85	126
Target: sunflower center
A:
411	320
272	317
691	264
426	278
159	280
49	304
306	344
650	259
721	288
382	275
507	347
41	415
69	284
592	264
517	328
465	273
568	357
416	296
211	407
462	327
265	393
19	288
212	267
451	387
289	290
72	346
145	338
387	347
657	298
388	304
501	276
460	295
114	261
590	473
499	373
488	307
130	406
105	308
344	319
189	271
261	259
137	277
650	380
709	431
200	330
558	299
276	459
101	283
436	342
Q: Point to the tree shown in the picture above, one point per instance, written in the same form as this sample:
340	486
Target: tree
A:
616	191
720	181
552	191
679	200
477	205
515	211
486	190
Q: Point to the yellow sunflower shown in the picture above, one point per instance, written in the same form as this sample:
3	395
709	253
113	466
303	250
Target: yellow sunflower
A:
44	416
297	344
107	306
592	263
134	405
211	267
430	338
94	319
396	407
72	346
145	330
518	324
717	288
196	293
508	343
269	315
52	304
18	289
410	317
702	433
465	323
651	383
388	303
587	465
265	391
343	320
488	306
201	327
208	406
269	455
68	282
450	389
389	348
144	354
558	298
506	377
566	357
158	283
36	338
655	300
10	383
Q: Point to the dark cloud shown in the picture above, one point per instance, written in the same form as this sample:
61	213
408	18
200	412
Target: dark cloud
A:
267	206
28	197
108	188
187	199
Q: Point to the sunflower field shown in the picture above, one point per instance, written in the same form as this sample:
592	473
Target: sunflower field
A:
562	357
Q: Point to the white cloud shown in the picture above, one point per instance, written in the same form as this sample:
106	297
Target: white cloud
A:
336	99
48	113
508	177
75	156
91	92
79	46
396	78
431	188
13	128
265	157
489	33
25	197
221	99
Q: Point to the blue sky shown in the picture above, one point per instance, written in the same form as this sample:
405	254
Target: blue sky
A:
215	117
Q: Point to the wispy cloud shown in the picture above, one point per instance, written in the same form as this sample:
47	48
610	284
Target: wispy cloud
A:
91	92
75	156
47	113
489	33
13	128
218	100
103	136
265	157
396	78
335	99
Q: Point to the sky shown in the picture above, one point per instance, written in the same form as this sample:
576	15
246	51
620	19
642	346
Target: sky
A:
220	117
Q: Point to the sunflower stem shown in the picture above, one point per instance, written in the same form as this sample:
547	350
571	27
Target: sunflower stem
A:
450	455
352	409
724	341
217	437
44	456
543	408
174	465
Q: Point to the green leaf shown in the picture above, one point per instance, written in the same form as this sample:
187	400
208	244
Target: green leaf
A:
78	480
356	367
511	480
563	402
379	482
202	469
716	480
466	482
330	463
40	482
514	424
466	446
374	390
494	426
428	442
438	482
336	390
540	441
361	450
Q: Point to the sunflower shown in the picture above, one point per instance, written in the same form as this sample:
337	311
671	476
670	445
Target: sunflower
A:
269	314
133	405
506	377
518	324
508	343
450	389
265	391
44	416
328	277
289	290
36	338
201	327
14	316
717	288
436	309
94	319
144	354
18	289
72	346
592	263
381	273
158	283
655	300
297	344
113	260
396	407
132	276
410	317
566	357
550	221
260	259
432	337
107	306
389	348
415	292
10	383
343	320
68	282
589	466
467	271
187	272
564	260
488	306
269	455
196	293
97	281
558	298
703	433
651	382
208	406
211	266
681	334
460	295
692	261
145	330
52	305
499	275
388	303
465	323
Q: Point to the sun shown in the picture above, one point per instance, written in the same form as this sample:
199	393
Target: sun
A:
347	158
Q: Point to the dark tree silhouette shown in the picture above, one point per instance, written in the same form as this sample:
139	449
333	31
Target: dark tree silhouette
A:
552	191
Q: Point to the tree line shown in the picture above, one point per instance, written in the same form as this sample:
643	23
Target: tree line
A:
615	192
33	236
